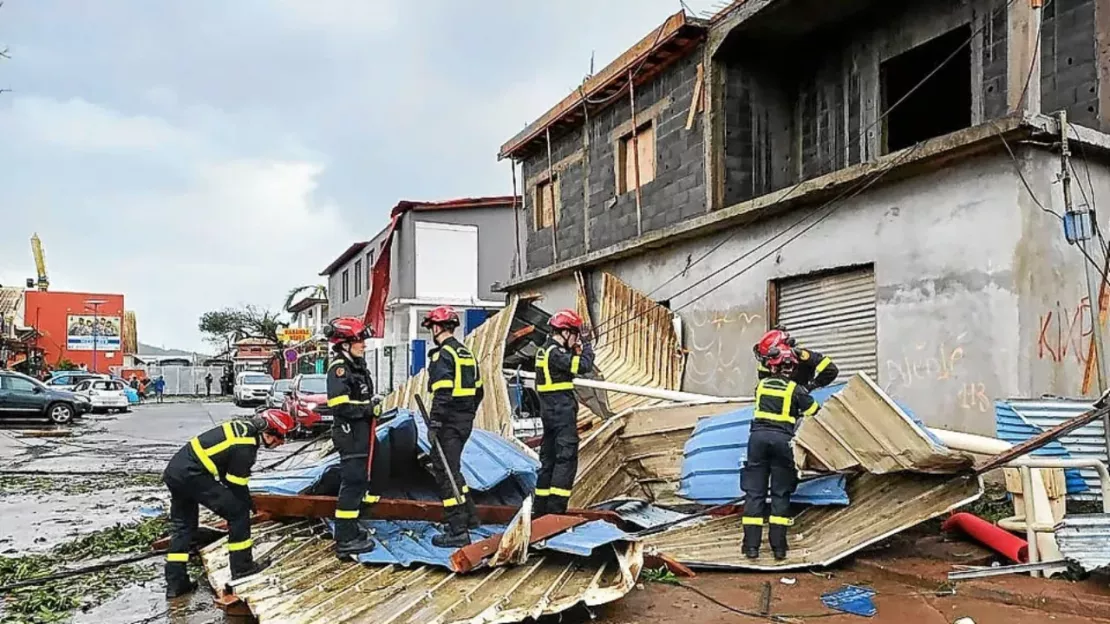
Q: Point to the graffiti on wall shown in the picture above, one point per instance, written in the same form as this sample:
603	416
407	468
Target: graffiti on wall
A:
720	355
937	367
1066	337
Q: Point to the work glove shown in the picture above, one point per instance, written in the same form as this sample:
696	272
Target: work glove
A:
587	349
376	405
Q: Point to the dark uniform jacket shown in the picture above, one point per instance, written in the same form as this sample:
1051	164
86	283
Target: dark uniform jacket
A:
779	404
350	390
814	370
454	380
227	453
556	368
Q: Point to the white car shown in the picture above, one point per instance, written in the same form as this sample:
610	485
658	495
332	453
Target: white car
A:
251	388
104	394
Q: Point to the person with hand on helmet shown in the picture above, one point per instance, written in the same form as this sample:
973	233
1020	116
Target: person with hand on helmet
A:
213	470
813	371
350	398
562	358
779	404
456	386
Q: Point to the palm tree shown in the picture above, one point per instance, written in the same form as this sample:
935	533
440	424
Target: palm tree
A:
315	291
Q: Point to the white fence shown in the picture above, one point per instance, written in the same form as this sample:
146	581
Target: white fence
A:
186	380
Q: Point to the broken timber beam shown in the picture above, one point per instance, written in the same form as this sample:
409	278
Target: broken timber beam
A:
469	557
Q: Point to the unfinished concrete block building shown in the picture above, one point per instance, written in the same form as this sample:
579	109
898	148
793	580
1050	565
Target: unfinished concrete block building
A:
884	178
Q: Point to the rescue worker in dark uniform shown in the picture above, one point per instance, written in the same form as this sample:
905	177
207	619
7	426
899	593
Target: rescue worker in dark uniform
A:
814	370
350	399
779	404
456	386
563	357
213	470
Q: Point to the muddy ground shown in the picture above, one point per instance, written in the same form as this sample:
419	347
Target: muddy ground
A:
77	489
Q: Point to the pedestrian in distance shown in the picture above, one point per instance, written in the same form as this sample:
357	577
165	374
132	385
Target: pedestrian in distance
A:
456	386
563	357
208	385
159	387
351	399
779	404
214	470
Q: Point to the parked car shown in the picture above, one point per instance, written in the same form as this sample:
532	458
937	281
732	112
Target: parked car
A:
251	388
307	401
276	397
68	380
105	394
131	393
26	397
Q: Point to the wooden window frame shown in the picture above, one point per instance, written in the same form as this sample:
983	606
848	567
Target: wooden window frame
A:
626	182
538	192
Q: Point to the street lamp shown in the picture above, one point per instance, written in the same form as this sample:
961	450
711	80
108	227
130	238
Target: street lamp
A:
95	303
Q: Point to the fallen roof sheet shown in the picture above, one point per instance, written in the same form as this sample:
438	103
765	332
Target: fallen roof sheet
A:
1085	442
1085	539
307	584
640	513
882	505
859	426
1012	427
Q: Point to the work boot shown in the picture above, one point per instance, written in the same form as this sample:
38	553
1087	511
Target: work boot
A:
751	553
354	547
472	520
451	539
753	535
777	537
253	567
780	555
180	587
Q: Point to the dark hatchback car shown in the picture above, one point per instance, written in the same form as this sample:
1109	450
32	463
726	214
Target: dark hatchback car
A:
25	397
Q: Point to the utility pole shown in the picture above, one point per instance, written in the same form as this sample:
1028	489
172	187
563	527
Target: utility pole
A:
1079	227
95	304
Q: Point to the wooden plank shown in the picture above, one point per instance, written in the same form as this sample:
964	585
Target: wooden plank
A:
467	558
695	102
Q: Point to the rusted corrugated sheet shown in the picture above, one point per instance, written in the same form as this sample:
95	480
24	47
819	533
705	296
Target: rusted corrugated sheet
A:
862	427
1085	539
307	584
882	505
488	344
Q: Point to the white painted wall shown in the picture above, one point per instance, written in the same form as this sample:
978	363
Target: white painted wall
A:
446	261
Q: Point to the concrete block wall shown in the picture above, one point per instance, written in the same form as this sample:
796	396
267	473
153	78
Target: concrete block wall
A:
1069	61
993	57
585	164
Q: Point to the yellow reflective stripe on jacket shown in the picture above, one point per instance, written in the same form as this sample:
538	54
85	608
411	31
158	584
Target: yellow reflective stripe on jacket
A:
237	480
544	383
811	410
234	434
560	492
346	514
345	399
575	362
750	521
787	396
243	545
177	557
824	364
544	492
371	499
781	521
456	384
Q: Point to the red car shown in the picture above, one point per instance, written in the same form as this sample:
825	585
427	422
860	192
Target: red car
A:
306	399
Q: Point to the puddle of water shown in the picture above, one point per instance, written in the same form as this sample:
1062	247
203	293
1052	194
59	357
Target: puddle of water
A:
147	603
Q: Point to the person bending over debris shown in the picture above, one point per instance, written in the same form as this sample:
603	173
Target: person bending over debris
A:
779	404
212	470
560	360
456	387
814	370
350	397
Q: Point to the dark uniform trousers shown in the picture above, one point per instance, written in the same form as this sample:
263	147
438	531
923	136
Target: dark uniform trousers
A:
770	465
456	386
349	397
212	470
556	368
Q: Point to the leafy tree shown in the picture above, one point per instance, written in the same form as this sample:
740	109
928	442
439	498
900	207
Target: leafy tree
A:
65	364
315	291
222	327
261	323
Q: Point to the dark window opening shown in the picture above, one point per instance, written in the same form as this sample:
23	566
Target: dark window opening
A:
942	104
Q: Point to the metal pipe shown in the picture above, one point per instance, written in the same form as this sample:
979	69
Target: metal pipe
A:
959	441
1030	530
655	393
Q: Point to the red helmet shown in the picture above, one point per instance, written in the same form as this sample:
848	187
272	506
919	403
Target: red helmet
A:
566	319
346	329
443	315
782	358
278	422
772	341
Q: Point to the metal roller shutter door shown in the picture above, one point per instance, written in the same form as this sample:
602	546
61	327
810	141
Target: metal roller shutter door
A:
834	314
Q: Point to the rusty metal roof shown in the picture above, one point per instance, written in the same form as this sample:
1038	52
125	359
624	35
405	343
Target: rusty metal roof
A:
306	584
9	301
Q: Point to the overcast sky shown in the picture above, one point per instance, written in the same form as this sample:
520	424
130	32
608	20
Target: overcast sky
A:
205	153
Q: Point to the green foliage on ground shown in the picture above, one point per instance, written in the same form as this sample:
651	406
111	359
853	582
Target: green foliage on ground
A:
73	485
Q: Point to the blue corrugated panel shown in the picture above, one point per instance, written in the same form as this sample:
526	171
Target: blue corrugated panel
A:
718	448
1087	442
1014	429
584	538
490	465
406	543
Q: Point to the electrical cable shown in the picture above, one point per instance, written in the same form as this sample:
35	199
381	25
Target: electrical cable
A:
769	617
862	134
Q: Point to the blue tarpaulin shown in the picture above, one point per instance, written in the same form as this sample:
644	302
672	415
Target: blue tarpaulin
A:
851	599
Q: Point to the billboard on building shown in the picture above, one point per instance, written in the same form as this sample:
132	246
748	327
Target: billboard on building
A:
83	330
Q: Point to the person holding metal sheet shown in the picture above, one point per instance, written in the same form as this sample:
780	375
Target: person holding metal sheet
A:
779	404
563	357
456	386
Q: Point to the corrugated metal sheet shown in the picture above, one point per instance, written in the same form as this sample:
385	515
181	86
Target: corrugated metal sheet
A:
1013	428
1085	539
834	314
1086	442
307	584
488	344
584	539
859	426
636	344
642	514
9	302
882	505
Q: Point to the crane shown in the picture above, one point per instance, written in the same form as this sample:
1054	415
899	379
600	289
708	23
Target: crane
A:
40	262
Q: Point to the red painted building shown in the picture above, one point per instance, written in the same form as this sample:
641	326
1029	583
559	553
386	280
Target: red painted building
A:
70	325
